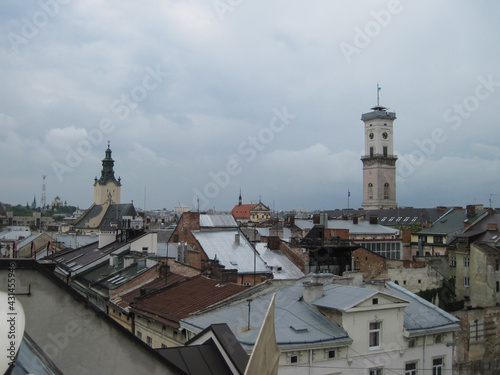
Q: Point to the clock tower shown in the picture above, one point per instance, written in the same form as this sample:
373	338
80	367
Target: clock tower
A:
379	161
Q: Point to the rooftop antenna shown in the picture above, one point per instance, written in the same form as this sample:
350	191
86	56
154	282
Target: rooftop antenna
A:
198	200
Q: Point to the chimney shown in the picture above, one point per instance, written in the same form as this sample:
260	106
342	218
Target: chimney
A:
492	226
312	291
316	219
373	219
113	261
127	261
273	243
237	239
291	220
354	219
471	210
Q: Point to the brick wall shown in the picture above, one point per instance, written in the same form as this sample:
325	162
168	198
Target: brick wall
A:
370	264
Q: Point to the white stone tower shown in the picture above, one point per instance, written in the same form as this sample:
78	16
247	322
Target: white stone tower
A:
379	161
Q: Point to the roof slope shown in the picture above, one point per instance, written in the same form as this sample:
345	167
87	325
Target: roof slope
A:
242	211
420	314
296	322
178	301
282	267
221	244
217	221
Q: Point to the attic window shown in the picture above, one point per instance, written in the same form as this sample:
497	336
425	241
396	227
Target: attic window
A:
331	354
294	359
411	343
374	301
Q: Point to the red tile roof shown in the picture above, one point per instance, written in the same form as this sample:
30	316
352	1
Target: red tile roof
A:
176	302
242	211
126	299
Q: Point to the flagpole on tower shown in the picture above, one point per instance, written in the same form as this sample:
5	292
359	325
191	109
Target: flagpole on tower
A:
348	196
378	95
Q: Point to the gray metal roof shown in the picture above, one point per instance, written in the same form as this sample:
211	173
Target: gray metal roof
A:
342	297
282	267
27	240
452	222
296	322
221	244
363	227
218	221
421	315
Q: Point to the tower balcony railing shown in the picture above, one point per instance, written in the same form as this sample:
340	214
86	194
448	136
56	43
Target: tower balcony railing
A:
379	157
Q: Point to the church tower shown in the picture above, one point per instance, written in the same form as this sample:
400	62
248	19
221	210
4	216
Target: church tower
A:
379	161
107	188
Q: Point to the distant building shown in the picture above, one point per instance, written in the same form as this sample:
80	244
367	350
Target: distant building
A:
107	209
107	188
253	212
379	161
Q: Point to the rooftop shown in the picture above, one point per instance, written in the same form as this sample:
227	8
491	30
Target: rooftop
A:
221	244
173	303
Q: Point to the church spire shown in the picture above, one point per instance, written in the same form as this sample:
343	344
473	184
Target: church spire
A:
239	200
107	173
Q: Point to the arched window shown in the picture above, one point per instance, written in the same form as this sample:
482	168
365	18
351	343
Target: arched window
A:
386	190
370	191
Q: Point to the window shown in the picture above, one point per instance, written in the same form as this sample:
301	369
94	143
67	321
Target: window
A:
438	339
438	366
331	354
375	301
498	286
386	190
497	265
163	346
412	343
466	281
370	190
453	261
375	335
294	359
385	151
411	368
139	334
149	341
466	262
376	371
438	239
371	152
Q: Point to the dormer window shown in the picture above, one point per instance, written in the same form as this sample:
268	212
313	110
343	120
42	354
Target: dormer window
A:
374	301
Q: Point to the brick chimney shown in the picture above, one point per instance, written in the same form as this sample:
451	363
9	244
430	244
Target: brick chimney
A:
471	210
373	219
354	219
273	243
316	219
492	226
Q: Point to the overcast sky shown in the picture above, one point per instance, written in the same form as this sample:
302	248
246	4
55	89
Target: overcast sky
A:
202	98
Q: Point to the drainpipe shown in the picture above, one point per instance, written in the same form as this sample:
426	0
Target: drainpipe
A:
423	359
310	360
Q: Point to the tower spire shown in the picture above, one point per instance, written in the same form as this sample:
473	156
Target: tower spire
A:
239	200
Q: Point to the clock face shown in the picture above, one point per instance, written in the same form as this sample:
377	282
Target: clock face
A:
384	135
371	136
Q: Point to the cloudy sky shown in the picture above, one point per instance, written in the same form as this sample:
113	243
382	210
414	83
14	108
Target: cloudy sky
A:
202	98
